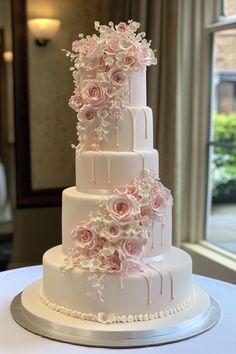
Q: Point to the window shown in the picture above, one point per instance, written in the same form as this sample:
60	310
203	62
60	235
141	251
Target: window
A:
221	218
228	8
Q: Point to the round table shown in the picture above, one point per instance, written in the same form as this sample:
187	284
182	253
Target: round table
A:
16	340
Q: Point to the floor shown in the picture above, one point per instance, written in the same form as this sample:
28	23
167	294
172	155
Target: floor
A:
223	226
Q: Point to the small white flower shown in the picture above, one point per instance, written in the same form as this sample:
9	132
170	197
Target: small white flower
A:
107	251
109	61
96	25
102	113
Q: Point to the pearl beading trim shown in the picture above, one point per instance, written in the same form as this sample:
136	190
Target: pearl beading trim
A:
103	317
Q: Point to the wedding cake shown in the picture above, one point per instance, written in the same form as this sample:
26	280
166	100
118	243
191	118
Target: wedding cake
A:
116	262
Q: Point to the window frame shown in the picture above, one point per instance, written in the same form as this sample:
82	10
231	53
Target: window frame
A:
208	259
223	23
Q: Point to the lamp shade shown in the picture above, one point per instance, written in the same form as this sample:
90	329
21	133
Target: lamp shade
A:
44	28
8	56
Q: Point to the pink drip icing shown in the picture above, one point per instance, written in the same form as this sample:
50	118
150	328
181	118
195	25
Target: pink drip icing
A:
152	234
149	283
145	116
129	83
121	281
162	227
133	128
116	132
143	161
171	284
82	281
108	160
93	170
161	276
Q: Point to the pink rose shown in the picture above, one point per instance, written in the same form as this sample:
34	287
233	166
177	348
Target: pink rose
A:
117	77
142	54
87	114
85	239
160	199
129	59
155	186
157	202
112	263
133	247
145	213
76	102
145	55
113	231
121	27
99	245
101	65
123	207
113	44
94	93
89	47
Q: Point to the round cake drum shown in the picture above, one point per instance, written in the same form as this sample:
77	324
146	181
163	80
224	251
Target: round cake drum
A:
28	311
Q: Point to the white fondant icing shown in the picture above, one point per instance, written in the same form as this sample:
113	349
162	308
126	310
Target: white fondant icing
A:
137	88
120	139
106	170
140	293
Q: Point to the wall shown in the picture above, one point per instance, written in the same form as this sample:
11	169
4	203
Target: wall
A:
7	121
52	122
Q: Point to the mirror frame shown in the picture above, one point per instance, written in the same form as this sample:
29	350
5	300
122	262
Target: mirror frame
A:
25	195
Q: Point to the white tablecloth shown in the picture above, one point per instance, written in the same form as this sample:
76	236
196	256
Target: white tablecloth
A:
221	339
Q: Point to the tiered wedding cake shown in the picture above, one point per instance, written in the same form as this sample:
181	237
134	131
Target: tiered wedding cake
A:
116	262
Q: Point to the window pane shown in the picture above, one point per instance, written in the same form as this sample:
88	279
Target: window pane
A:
222	220
229	7
222	146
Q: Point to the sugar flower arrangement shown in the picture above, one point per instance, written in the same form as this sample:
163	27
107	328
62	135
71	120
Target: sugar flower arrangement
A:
102	64
113	238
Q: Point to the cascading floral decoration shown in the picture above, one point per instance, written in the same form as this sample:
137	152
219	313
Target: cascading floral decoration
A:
114	237
101	66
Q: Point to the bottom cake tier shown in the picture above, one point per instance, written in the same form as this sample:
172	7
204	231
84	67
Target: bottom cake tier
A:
163	288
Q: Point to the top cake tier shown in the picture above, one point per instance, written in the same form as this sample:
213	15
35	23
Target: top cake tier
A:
137	89
109	72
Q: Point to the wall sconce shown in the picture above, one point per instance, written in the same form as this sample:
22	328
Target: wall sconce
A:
8	56
43	29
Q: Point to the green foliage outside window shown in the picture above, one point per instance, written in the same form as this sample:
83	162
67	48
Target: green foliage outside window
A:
224	159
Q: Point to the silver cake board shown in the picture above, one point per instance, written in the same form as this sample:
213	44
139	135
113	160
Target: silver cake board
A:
37	318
